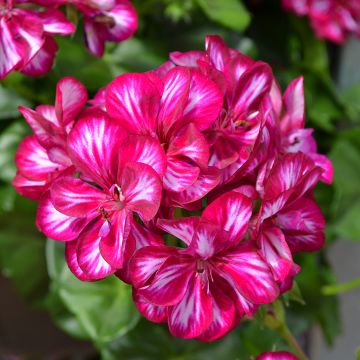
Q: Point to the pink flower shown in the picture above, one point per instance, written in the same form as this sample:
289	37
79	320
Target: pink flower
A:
43	156
26	42
277	355
331	19
119	175
204	289
175	110
294	137
246	84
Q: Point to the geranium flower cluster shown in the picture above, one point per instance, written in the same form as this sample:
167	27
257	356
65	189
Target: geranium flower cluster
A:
331	19
192	182
26	33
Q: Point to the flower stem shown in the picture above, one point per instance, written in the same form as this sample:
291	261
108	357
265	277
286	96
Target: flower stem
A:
340	288
290	339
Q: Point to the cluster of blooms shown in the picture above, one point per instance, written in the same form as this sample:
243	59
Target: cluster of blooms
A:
26	33
192	182
331	19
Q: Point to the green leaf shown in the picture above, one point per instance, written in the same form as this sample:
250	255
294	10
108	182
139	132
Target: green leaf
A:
230	13
351	98
294	295
349	225
103	309
9	102
9	141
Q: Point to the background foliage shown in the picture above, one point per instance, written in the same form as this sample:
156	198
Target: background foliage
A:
103	312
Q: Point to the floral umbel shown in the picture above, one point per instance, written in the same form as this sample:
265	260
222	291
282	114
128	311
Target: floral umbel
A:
192	182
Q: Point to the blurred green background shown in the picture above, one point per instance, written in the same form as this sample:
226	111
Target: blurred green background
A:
102	313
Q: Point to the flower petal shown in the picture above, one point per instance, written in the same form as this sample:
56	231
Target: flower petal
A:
112	246
88	252
154	313
143	149
55	22
147	261
190	143
133	100
33	161
182	228
72	261
94	37
71	97
93	145
231	211
174	98
246	271
179	175
205	102
32	189
74	197
43	61
11	52
55	224
193	314
142	189
170	282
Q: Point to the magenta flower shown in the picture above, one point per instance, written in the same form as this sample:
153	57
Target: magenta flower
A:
43	156
175	110
210	284
126	171
277	355
331	19
295	137
26	42
246	84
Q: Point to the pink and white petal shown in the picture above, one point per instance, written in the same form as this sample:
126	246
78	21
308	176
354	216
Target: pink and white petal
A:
32	160
154	313
32	189
251	89
133	100
11	51
174	98
325	164
144	237
55	224
208	240
28	31
40	125
71	97
93	146
182	228
147	261
94	37
170	282
142	189
189	142
72	261
218	51
55	22
204	103
179	175
276	252
205	183
112	246
125	19
88	252
143	149
193	314
224	311
75	197
277	355
246	271
189	58
294	104
43	61
231	212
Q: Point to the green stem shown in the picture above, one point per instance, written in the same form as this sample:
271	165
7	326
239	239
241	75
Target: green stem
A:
290	339
340	288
